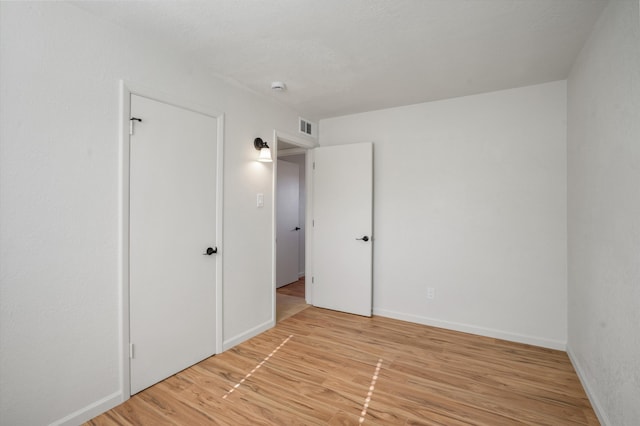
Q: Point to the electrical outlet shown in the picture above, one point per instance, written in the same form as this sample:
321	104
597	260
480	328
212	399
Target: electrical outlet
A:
431	293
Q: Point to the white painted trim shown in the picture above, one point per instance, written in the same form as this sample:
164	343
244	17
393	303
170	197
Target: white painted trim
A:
294	140
123	240
274	226
90	411
228	344
126	89
595	403
172	99
219	232
291	151
468	328
308	236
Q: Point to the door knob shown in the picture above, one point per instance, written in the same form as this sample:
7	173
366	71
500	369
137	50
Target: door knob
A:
210	251
365	239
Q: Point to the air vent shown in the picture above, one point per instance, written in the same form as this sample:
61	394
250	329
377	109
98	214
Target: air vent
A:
307	127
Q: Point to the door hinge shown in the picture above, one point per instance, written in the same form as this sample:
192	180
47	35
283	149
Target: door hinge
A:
131	120
314	165
131	350
313	223
313	280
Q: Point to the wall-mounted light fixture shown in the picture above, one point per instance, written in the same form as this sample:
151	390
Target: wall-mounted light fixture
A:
265	152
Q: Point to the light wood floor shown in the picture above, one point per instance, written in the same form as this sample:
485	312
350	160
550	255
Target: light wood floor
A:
290	300
295	289
324	372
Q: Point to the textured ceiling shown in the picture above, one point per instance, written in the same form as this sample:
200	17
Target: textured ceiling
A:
345	56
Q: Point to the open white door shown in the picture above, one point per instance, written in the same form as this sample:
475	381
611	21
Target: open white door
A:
342	228
287	213
172	224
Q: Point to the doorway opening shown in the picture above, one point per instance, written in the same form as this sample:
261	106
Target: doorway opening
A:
290	225
290	300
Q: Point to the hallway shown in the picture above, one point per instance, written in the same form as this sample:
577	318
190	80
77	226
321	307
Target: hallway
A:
290	299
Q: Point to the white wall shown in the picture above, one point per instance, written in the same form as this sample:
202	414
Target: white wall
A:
470	199
300	160
59	294
604	214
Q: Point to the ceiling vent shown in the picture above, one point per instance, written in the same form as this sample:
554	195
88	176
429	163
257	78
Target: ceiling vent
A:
307	127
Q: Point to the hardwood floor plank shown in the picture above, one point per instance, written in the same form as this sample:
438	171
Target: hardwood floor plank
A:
295	289
322	375
291	396
136	412
290	300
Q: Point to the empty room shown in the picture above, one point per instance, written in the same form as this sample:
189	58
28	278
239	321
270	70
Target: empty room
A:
341	212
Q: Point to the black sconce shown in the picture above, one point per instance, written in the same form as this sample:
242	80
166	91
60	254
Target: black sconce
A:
265	151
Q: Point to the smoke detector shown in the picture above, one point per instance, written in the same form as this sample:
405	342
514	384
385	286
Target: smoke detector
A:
278	86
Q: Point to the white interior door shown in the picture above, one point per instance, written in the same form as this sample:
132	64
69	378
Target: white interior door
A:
287	241
342	229
172	223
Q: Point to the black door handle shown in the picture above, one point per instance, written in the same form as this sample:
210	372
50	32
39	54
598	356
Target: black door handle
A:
365	239
297	228
210	251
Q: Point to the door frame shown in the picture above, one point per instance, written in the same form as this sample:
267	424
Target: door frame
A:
126	89
305	147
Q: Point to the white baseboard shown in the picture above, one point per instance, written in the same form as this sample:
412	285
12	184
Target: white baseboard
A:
108	402
229	343
87	413
90	411
595	403
467	328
